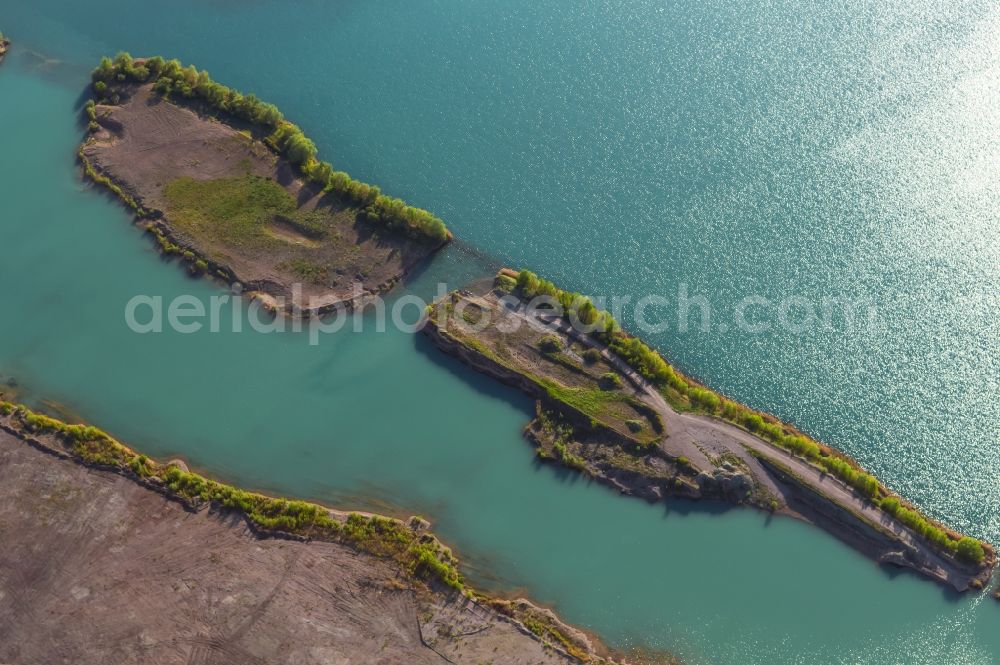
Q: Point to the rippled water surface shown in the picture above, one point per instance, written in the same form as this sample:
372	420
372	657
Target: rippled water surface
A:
735	149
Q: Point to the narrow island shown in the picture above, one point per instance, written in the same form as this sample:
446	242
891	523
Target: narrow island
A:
114	557
224	182
610	407
4	45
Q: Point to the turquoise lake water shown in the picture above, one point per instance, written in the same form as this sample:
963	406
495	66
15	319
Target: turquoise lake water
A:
750	148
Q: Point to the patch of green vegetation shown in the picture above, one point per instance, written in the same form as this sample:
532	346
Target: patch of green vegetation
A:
591	356
563	360
703	399
560	434
590	401
91	111
970	549
307	270
601	406
90	172
472	314
610	381
568	458
234	211
173	80
550	344
543	628
505	283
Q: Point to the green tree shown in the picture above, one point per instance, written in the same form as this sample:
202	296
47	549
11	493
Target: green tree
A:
527	283
970	549
104	71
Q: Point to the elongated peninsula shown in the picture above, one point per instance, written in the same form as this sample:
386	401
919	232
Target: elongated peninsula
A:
610	407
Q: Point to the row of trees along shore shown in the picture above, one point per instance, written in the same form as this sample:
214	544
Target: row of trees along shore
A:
173	80
651	365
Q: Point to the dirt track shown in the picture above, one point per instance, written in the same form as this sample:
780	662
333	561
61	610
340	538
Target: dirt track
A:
95	568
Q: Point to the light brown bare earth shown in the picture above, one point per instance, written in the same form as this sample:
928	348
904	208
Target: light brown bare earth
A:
145	143
96	568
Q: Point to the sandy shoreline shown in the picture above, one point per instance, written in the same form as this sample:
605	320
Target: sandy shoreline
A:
198	581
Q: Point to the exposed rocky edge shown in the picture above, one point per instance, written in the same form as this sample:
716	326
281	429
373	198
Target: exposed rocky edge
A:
4	45
698	457
871	535
137	566
163	159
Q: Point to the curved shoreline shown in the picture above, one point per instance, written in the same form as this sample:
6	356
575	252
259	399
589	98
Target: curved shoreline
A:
368	533
143	139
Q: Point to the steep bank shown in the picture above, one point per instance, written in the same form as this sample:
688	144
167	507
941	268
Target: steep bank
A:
229	187
698	454
145	562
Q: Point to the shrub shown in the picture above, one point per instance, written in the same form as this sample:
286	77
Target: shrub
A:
753	422
634	425
704	399
970	549
591	356
505	283
890	505
801	446
550	344
610	381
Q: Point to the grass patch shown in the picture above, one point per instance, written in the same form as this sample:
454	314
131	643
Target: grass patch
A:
565	361
237	211
307	270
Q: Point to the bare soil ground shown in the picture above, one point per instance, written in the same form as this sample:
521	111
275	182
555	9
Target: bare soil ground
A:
95	568
145	143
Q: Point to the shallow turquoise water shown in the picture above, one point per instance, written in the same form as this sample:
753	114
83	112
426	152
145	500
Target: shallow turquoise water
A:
741	149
